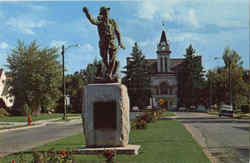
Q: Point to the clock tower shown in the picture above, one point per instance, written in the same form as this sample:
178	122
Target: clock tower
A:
163	53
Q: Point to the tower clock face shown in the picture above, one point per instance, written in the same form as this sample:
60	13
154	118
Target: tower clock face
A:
163	48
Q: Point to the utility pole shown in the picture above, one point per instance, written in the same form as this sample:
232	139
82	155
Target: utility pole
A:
64	90
230	83
63	80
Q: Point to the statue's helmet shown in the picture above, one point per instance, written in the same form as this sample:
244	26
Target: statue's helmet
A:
104	9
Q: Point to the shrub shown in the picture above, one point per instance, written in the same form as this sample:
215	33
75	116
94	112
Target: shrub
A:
139	124
3	112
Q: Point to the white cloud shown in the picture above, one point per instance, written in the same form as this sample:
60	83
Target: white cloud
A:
195	12
168	11
146	43
128	41
38	8
183	37
193	19
149	9
87	48
231	23
3	45
26	24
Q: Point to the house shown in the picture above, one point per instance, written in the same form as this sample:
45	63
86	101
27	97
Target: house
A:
4	90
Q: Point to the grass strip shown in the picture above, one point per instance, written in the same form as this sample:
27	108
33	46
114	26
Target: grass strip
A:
165	141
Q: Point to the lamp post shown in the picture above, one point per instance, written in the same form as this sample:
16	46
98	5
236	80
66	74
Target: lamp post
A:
63	78
230	83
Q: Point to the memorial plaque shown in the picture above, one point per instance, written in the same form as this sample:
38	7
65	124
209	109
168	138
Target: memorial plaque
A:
105	115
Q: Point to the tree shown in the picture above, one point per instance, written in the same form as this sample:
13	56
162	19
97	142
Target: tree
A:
74	88
91	70
138	78
232	58
230	79
191	78
36	76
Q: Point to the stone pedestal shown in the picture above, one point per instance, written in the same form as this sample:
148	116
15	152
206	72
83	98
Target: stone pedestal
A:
106	115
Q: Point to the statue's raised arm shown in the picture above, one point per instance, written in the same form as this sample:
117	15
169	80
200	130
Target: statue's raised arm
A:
91	19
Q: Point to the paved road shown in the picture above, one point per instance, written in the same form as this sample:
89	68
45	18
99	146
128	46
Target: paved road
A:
16	141
225	138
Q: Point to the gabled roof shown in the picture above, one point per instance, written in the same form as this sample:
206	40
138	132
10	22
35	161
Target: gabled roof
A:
177	63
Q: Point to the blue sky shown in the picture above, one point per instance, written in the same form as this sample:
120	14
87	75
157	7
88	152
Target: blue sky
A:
209	26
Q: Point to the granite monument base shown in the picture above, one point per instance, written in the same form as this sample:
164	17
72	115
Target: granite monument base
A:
106	115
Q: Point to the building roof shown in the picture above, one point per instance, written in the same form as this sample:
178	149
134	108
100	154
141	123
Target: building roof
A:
163	37
151	60
177	63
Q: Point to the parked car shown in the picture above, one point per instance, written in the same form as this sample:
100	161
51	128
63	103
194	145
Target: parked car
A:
182	108
245	109
201	108
226	110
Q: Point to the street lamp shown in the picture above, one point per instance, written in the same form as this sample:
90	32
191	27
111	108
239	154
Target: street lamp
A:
211	84
64	89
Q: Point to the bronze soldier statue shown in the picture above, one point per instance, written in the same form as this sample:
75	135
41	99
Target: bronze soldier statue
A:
108	32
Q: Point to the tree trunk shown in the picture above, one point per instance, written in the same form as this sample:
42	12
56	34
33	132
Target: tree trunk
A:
36	108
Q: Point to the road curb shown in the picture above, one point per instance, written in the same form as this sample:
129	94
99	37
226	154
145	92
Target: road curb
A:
23	128
40	123
37	124
197	136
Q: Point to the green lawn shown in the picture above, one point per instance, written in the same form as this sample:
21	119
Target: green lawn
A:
167	114
165	141
41	117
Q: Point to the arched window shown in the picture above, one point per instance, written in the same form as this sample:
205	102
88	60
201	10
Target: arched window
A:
164	88
170	90
157	90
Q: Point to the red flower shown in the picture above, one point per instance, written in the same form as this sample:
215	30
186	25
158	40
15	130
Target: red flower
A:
63	153
109	154
12	161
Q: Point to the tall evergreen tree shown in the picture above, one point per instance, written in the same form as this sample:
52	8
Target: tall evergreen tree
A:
192	78
138	78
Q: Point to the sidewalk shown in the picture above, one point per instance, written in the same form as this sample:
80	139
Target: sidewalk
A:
13	126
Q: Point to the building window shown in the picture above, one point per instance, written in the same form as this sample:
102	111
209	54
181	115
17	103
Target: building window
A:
170	91
164	88
170	103
166	64
161	59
